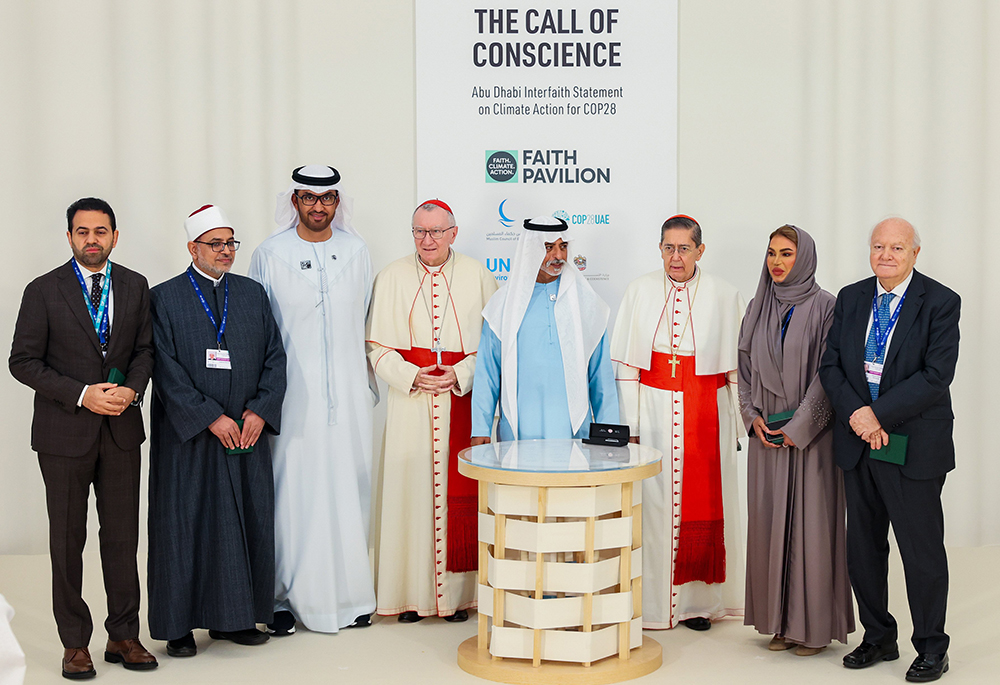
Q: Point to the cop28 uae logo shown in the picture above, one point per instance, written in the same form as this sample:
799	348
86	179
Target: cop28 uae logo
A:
501	166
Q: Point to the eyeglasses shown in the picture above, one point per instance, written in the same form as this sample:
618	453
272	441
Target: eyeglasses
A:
309	199
684	250
219	246
436	233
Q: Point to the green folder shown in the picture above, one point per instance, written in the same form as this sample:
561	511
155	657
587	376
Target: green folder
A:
894	452
115	376
776	421
239	422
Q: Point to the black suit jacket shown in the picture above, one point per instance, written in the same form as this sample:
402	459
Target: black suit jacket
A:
914	399
56	352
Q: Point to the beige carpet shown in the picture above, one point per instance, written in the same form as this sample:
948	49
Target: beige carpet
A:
389	652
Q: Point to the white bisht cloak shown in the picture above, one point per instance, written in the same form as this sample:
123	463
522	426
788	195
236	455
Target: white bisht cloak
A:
645	324
322	460
411	543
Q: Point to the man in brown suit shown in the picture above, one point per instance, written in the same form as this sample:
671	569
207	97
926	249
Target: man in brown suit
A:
83	343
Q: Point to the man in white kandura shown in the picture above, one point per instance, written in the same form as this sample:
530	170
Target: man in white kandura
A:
423	332
318	275
545	337
674	345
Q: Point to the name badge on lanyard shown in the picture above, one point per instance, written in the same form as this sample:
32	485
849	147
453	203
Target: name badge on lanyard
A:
873	369
216	358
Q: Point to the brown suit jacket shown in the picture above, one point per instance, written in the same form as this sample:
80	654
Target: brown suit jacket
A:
56	352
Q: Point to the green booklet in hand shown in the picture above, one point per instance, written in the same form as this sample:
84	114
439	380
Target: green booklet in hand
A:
115	376
239	422
776	421
893	452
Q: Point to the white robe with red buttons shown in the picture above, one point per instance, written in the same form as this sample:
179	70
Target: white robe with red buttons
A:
644	325
410	546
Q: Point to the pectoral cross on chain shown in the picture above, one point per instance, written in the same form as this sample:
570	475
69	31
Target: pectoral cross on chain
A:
673	366
438	349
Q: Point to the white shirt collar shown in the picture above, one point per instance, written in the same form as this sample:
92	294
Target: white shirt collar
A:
898	291
215	281
87	273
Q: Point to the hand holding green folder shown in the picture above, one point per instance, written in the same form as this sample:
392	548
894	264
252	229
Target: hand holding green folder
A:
893	451
239	422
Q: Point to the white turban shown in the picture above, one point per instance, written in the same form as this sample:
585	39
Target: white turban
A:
318	179
203	220
581	318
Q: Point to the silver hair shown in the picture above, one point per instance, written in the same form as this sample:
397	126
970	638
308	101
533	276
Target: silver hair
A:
430	206
916	234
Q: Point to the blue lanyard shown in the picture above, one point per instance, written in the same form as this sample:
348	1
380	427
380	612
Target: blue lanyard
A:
788	319
99	317
881	339
225	308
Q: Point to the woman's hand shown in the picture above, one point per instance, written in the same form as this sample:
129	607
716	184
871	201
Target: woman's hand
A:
760	428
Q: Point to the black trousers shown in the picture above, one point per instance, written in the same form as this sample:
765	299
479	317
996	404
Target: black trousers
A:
114	474
879	494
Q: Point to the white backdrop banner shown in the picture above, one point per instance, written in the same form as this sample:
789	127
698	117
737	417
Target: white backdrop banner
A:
567	110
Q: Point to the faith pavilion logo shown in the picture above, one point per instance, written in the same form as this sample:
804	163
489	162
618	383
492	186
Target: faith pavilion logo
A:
581	262
501	166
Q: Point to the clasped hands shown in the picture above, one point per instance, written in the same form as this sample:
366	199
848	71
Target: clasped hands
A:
229	434
109	399
434	384
760	428
868	428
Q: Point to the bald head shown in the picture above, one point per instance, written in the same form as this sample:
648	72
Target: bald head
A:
895	245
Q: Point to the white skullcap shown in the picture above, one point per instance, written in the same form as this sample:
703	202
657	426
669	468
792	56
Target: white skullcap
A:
203	220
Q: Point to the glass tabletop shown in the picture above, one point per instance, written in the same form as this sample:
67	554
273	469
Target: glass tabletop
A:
559	456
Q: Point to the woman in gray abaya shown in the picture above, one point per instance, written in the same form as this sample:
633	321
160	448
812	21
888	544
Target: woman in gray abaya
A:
797	584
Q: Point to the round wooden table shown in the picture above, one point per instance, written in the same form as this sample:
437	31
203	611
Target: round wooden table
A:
560	562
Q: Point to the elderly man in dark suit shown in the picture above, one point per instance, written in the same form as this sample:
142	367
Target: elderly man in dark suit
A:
83	343
219	383
889	361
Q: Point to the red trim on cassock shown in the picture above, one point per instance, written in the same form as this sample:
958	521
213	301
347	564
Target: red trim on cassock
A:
463	493
701	548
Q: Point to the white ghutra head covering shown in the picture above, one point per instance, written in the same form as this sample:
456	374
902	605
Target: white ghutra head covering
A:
318	179
581	318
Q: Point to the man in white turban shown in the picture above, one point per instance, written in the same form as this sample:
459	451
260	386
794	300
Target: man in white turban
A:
543	351
318	275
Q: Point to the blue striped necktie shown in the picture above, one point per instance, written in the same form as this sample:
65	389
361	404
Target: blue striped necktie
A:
871	347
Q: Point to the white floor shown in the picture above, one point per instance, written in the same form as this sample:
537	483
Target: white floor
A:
390	652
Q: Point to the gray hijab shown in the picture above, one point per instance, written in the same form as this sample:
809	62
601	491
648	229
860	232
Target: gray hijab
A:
761	336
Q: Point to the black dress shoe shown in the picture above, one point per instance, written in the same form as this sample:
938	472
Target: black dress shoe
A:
282	625
927	667
362	621
866	654
460	616
698	623
410	617
185	646
250	636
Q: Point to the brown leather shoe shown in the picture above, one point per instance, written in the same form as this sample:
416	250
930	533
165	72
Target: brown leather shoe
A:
130	654
76	664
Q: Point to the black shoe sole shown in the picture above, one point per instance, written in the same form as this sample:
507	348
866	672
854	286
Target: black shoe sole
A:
182	652
83	675
891	656
455	618
119	659
698	627
408	619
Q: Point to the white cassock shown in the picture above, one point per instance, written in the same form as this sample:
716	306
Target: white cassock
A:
646	324
12	663
411	543
322	459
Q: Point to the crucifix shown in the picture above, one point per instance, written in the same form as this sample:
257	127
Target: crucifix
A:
673	366
438	349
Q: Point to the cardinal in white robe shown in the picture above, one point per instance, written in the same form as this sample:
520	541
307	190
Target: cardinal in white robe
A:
423	332
674	347
318	275
543	352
